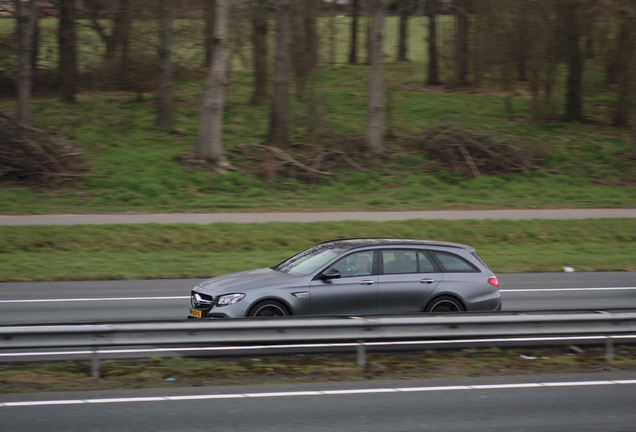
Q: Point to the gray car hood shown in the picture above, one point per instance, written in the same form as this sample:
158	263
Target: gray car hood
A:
242	281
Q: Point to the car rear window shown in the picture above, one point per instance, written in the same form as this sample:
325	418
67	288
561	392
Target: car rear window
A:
454	263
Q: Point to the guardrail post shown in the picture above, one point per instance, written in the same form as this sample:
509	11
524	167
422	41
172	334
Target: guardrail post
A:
362	354
95	366
609	350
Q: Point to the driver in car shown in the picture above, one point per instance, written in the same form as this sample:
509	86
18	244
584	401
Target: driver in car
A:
362	265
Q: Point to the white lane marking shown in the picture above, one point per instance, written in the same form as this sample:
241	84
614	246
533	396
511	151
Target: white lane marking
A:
94	299
565	289
187	297
120	400
318	393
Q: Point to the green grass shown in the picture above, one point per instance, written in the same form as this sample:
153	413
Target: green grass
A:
184	372
134	170
39	253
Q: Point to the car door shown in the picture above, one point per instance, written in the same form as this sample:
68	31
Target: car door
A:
353	293
406	281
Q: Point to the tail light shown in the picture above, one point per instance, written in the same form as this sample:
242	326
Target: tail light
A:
493	281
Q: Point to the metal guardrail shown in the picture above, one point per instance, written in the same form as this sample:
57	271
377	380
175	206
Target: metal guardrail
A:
492	329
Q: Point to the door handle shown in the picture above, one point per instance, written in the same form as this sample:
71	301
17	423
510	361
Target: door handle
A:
366	282
427	280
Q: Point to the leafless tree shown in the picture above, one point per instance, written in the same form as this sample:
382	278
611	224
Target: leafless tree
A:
374	132
630	7
68	54
572	23
431	8
209	9
116	35
623	69
304	45
165	65
209	144
406	8
353	42
259	45
25	28
280	96
462	10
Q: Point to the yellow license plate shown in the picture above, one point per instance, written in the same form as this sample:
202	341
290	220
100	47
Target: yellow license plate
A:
196	313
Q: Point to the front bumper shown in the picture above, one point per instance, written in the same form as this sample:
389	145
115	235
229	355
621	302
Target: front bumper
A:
204	306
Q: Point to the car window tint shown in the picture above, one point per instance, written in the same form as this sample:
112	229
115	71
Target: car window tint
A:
399	261
424	263
307	262
453	263
355	264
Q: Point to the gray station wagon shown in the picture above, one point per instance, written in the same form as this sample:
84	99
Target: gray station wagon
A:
361	276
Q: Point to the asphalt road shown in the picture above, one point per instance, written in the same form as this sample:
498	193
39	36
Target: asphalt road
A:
207	218
154	300
595	402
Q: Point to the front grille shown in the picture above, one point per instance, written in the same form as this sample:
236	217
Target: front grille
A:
201	301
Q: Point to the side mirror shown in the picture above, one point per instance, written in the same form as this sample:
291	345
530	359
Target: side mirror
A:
330	273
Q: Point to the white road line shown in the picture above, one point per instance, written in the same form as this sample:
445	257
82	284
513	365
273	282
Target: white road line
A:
61	300
317	393
564	289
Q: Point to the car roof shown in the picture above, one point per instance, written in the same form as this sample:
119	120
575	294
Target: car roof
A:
352	243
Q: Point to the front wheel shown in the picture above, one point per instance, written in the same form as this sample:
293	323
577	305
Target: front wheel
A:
268	308
445	304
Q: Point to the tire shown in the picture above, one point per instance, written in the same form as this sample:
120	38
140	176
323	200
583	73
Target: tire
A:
268	308
445	304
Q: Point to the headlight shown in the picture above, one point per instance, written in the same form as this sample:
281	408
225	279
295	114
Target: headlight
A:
230	299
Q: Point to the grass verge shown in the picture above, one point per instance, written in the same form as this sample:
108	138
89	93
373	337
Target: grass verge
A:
151	251
184	372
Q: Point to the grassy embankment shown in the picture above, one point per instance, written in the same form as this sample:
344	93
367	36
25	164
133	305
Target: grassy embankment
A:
184	251
587	164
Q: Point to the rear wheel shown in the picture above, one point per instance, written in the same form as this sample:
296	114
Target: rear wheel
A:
268	308
445	304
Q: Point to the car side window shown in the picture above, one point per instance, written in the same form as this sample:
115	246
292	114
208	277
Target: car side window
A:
454	263
424	263
355	264
399	261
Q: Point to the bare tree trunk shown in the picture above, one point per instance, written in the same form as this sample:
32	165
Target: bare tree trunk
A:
259	44
278	120
353	45
631	10
209	8
374	138
369	30
461	42
304	43
68	57
433	69
212	100
165	65
25	27
574	101
35	42
623	69
123	34
406	9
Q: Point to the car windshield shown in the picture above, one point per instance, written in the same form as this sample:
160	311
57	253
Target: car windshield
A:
307	261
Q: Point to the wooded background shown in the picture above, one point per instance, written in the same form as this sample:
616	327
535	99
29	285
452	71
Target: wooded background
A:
561	50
